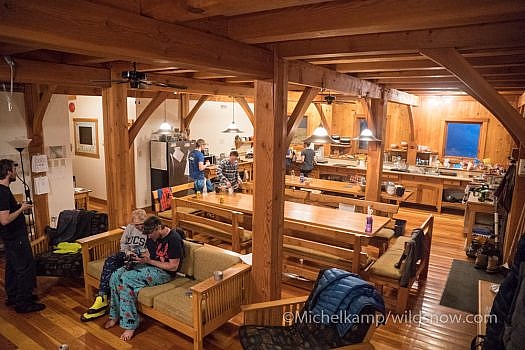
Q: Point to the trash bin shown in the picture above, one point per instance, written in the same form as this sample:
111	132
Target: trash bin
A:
399	227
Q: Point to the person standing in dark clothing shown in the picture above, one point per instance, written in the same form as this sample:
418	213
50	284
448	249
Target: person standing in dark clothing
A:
20	274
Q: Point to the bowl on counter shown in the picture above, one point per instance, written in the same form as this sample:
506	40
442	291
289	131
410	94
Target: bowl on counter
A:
393	146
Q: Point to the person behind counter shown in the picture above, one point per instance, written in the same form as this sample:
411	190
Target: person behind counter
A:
197	166
227	172
308	160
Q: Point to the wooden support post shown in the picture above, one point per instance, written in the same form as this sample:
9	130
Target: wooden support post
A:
374	168
412	147
119	173
36	100
184	109
269	165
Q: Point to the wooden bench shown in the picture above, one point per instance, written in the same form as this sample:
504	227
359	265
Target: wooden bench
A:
166	215
223	224
382	238
308	248
383	271
298	196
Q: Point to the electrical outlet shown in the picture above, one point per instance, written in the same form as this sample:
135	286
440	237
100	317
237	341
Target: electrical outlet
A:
521	167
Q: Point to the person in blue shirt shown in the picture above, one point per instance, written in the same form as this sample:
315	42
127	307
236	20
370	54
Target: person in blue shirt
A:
197	166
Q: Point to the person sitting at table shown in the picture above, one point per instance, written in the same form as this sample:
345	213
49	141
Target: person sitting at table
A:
157	265
196	166
131	240
308	160
227	172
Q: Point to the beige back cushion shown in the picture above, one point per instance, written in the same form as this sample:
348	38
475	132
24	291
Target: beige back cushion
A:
189	257
209	259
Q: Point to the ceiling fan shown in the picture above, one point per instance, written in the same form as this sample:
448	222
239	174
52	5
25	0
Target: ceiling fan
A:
139	80
329	99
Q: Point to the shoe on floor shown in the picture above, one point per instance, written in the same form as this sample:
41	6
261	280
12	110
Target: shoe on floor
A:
12	302
32	307
100	304
481	261
92	316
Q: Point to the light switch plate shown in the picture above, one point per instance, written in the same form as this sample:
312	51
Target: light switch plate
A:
521	167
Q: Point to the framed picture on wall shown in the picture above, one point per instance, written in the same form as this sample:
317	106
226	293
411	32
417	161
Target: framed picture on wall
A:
86	137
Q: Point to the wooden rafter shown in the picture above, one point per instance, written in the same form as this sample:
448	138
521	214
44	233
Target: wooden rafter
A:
98	30
324	121
246	108
490	35
294	120
194	110
369	15
480	89
144	116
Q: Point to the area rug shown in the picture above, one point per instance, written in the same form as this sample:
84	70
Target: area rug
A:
461	290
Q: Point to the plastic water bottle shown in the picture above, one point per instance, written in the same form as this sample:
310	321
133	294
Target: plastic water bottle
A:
204	188
301	178
369	221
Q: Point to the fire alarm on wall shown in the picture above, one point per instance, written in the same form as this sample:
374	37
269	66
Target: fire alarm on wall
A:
71	107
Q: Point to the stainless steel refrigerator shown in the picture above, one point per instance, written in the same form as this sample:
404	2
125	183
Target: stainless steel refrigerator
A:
169	163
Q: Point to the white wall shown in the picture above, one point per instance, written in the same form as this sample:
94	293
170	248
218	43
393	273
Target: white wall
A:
212	118
60	174
56	133
142	150
12	126
89	172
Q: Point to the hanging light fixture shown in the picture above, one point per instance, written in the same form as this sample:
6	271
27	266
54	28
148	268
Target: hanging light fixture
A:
367	135
320	136
165	128
233	128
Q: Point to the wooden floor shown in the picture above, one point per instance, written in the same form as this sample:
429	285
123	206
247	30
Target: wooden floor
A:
59	323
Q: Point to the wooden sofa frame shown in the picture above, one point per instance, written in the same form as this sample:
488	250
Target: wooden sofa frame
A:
225	226
213	302
421	269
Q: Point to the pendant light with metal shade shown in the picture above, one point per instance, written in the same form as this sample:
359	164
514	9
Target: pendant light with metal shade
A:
165	128
233	128
320	136
366	135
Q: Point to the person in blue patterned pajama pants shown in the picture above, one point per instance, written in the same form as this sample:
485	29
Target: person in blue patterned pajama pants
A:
155	266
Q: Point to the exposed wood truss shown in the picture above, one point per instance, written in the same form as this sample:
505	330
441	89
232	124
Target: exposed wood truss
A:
300	108
480	89
324	121
144	116
246	108
189	117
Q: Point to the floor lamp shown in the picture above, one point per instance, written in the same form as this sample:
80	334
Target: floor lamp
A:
20	145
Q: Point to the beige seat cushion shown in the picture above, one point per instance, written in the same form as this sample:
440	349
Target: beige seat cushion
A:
385	233
94	268
384	266
210	259
176	303
399	244
148	294
189	257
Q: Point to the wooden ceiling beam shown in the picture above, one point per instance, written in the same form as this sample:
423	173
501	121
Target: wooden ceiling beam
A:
481	90
98	30
204	87
440	73
476	62
367	16
492	35
36	72
180	11
189	117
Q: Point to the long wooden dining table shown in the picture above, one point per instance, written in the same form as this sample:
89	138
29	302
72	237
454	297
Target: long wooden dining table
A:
340	187
344	222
